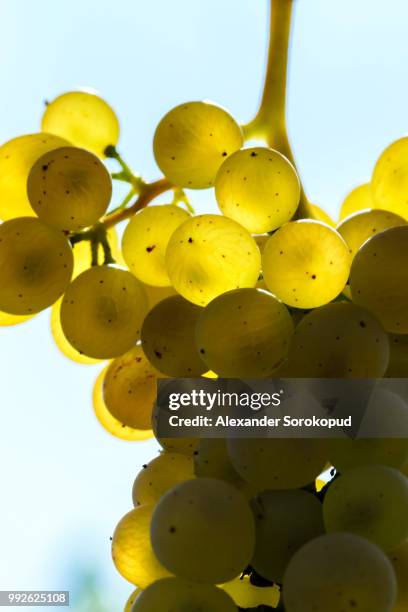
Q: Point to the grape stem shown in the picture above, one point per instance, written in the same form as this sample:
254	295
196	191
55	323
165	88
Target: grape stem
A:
269	123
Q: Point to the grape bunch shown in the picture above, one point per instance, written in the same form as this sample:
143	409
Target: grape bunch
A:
266	286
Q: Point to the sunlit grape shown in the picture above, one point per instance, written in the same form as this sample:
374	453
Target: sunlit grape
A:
258	188
69	188
157	294
185	446
36	265
160	475
210	254
7	320
379	278
247	595
17	157
145	241
305	264
102	312
203	530
360	198
84	119
399	561
60	340
244	333
321	215
192	141
131	600
390	179
361	226
339	572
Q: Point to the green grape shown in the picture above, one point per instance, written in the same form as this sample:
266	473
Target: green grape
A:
398	364
102	312
258	188
36	264
157	294
321	215
261	240
159	476
203	530
175	595
168	338
131	600
338	340
389	182
132	552
284	520
379	278
279	463
337	573
361	226
358	199
399	561
211	460
247	595
60	340
306	264
69	188
192	141
184	446
108	422
129	389
244	333
145	241
370	501
17	157
84	119
209	255
7	320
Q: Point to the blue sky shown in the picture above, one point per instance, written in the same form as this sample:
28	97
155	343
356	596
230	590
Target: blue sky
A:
65	482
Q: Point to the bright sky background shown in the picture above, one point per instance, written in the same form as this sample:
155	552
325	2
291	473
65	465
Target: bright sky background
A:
65	483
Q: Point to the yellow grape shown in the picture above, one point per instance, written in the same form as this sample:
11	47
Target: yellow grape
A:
108	422
184	446
259	188
145	241
209	255
7	320
60	340
69	188
168	338
132	552
339	340
84	119
261	240
203	530
370	501
247	595
102	312
398	364
191	142
36	265
244	333
175	595
321	215
131	600
157	294
379	278
284	520
278	463
358	199
389	182
361	226
399	561
339	572
83	254
159	476
17	157
306	264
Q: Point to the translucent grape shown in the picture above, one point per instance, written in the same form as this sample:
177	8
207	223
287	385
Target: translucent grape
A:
398	364
132	553
211	460
278	463
108	422
244	333
69	188
192	141
159	476
36	264
339	572
379	278
84	119
60	340
358	199
157	294
399	561
284	520
182	596
339	340
102	312
209	255
247	595
259	188
129	389
361	226
370	501
306	264
390	179
17	157
203	530
168	338
7	320
131	600
145	241
321	215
